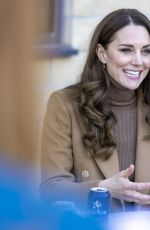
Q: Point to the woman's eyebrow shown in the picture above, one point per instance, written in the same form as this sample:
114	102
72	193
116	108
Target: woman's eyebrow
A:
131	46
128	45
146	46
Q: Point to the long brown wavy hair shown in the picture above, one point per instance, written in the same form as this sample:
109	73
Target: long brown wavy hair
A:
93	88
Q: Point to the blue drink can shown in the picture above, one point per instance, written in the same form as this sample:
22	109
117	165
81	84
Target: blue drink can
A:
99	203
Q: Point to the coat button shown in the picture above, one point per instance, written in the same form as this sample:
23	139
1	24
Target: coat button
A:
85	174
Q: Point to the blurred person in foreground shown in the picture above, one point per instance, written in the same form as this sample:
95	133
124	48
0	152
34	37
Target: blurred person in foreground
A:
97	132
19	207
18	134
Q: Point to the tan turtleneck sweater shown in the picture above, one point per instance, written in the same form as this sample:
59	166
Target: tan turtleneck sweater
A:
123	104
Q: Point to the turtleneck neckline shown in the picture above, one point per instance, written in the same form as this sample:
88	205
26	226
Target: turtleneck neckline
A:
120	96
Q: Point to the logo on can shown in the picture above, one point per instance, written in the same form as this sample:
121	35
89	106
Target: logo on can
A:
98	202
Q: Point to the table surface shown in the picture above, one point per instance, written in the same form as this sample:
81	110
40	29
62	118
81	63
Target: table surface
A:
138	220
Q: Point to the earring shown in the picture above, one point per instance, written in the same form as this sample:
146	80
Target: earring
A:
104	65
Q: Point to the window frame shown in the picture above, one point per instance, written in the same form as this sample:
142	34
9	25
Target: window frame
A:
51	44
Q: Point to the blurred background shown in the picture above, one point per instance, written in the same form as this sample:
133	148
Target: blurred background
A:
43	47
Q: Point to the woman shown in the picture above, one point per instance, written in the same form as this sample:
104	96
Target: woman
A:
97	130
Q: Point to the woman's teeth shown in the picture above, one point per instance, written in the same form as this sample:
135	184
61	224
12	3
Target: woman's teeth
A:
132	73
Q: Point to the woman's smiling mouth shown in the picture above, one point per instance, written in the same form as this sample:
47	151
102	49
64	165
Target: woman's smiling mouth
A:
132	74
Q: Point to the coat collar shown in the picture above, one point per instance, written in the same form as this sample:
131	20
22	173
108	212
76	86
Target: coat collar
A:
111	166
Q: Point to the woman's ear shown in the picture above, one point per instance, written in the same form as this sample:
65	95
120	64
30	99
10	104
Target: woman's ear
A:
101	53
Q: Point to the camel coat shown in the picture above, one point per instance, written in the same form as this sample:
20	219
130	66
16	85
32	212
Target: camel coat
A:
68	170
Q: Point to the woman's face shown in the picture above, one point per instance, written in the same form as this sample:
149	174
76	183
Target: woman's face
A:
127	57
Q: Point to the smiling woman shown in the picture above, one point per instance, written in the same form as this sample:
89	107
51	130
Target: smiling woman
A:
127	56
101	125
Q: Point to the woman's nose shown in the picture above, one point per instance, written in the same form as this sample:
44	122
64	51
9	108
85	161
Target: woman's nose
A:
137	59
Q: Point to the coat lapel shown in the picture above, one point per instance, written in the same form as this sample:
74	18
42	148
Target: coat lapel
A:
142	165
109	167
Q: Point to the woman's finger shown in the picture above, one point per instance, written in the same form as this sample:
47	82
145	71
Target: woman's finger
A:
127	172
138	186
137	197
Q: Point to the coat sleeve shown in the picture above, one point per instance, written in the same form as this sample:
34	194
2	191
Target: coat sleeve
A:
57	179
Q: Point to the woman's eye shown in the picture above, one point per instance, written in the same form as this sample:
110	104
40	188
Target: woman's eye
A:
146	52
126	50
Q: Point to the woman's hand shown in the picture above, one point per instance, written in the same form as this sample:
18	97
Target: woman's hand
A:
120	187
